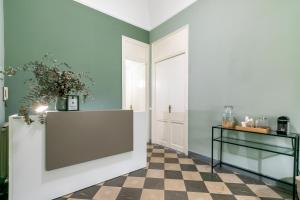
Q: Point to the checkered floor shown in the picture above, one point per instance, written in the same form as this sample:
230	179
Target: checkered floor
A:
173	176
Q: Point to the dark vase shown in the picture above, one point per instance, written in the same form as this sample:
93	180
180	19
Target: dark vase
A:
61	103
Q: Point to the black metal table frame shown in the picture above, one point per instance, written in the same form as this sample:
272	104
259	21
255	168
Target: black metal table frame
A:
295	155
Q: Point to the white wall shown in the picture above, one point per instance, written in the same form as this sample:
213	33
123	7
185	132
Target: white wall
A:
161	11
2	111
135	12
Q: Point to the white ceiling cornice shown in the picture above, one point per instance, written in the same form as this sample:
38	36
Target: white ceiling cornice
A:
146	14
134	12
163	10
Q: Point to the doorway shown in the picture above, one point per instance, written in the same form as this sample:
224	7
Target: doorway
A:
170	91
135	76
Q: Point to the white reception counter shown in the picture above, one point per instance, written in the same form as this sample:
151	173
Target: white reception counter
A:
29	180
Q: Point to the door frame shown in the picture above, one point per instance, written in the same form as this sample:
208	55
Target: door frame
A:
147	57
154	60
147	86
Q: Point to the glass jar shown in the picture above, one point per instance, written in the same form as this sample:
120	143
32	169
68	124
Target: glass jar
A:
61	104
228	119
262	122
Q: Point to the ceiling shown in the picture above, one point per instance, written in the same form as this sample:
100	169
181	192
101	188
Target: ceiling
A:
146	14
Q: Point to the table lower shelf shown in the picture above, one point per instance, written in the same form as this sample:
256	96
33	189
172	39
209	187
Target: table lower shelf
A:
253	172
256	145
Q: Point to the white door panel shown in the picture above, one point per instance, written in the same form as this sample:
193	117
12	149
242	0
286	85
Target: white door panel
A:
177	117
163	132
177	83
162	91
177	136
177	88
171	45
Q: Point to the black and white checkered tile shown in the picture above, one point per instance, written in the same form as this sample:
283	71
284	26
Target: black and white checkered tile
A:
173	176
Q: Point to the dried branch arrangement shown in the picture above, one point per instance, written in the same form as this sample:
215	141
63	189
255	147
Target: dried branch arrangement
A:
51	79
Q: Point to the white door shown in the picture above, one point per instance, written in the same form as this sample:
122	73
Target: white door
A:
135	77
170	91
135	74
170	102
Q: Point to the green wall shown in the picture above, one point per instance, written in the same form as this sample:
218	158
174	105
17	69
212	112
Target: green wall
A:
84	38
2	109
244	53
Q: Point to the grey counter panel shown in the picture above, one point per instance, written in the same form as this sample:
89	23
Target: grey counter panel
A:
77	137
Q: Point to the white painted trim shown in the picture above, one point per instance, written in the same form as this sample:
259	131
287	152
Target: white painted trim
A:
153	85
187	90
157	60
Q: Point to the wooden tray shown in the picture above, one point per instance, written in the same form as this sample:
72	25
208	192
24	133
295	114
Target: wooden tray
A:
256	130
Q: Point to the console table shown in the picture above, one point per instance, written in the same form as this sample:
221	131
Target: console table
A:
292	151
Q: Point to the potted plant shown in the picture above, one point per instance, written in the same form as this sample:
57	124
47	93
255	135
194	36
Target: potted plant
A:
51	82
